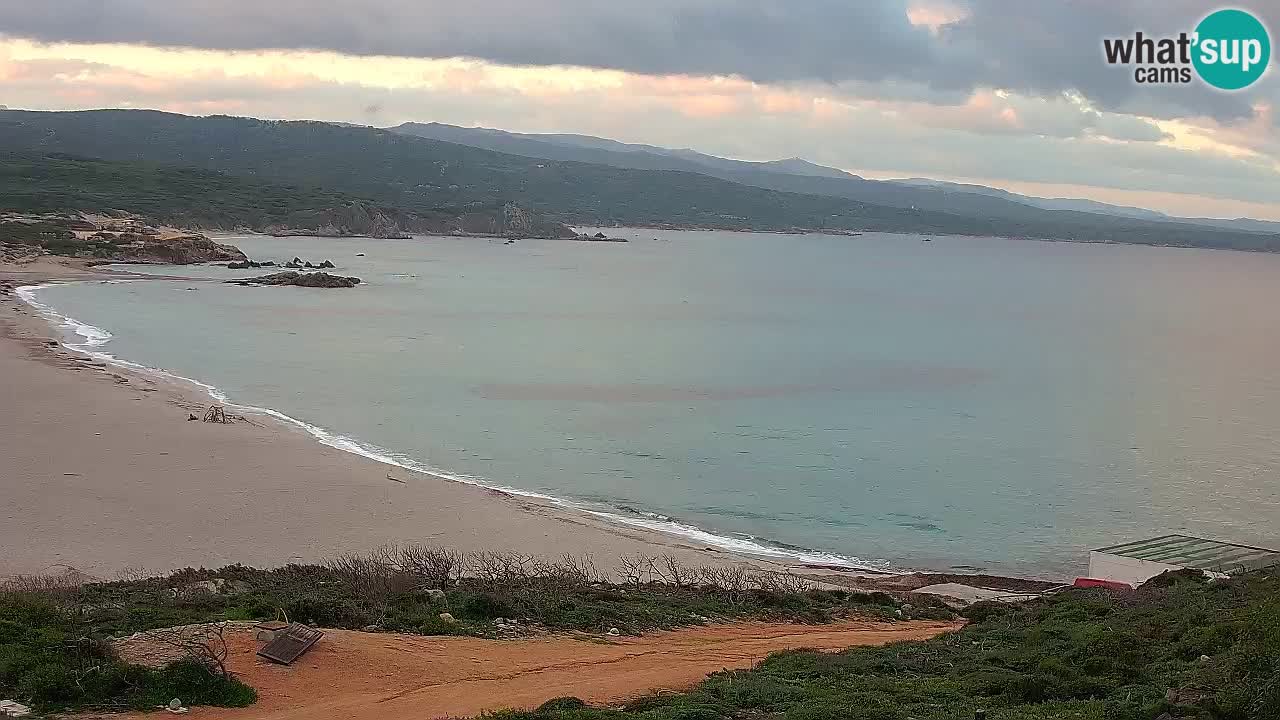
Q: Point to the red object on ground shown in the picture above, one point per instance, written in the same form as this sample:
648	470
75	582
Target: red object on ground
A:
1109	584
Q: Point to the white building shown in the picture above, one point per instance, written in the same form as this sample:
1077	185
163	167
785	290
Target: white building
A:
1136	562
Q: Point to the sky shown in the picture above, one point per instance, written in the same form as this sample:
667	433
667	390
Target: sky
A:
1009	93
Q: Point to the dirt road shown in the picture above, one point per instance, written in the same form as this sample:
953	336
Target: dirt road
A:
361	676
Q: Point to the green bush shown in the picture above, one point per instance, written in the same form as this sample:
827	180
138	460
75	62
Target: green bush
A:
561	705
1078	655
51	658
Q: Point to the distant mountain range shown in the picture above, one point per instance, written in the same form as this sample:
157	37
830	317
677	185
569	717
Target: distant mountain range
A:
329	173
911	192
1093	206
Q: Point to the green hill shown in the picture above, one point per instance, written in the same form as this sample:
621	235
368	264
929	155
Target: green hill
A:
422	175
190	197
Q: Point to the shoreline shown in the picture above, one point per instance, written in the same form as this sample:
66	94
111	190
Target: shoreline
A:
932	235
27	323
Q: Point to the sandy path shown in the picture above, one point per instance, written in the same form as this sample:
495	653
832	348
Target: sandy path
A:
390	677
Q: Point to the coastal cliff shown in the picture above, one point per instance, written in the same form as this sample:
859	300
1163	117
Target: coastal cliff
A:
357	218
125	239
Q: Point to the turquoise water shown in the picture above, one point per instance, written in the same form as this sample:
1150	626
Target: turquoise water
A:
974	403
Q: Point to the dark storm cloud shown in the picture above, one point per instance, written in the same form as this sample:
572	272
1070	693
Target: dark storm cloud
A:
1047	47
1038	48
767	40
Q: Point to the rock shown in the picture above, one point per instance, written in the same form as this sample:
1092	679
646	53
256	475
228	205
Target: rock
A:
359	254
435	594
313	280
149	247
210	587
235	587
175	704
600	237
614	632
327	264
499	621
370	628
447	617
308	264
191	417
13	708
1205	658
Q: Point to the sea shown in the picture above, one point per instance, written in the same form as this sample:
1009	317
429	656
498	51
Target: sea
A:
880	401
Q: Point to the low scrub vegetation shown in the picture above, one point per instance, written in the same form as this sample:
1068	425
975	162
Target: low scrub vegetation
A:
406	588
54	633
50	657
1176	648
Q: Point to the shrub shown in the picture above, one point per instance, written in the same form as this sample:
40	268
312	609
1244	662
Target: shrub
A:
50	658
560	705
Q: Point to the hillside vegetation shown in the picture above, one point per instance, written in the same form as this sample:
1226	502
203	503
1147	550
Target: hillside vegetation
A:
205	199
419	175
800	176
54	632
1176	648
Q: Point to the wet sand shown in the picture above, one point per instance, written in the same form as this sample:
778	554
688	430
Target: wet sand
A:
100	471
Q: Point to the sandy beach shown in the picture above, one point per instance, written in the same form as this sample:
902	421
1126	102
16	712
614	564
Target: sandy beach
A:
103	472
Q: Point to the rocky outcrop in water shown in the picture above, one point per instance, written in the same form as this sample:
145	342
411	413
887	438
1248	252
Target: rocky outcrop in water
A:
298	264
599	237
312	280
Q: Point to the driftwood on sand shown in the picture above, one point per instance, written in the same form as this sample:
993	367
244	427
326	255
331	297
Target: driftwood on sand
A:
217	414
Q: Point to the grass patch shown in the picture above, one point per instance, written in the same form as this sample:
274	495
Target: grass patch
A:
406	588
54	660
54	654
1178	645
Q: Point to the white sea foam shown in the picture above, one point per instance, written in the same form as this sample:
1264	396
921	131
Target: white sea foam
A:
92	337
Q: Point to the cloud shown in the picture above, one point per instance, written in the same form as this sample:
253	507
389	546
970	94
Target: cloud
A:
767	40
1001	113
1009	136
947	48
1043	48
